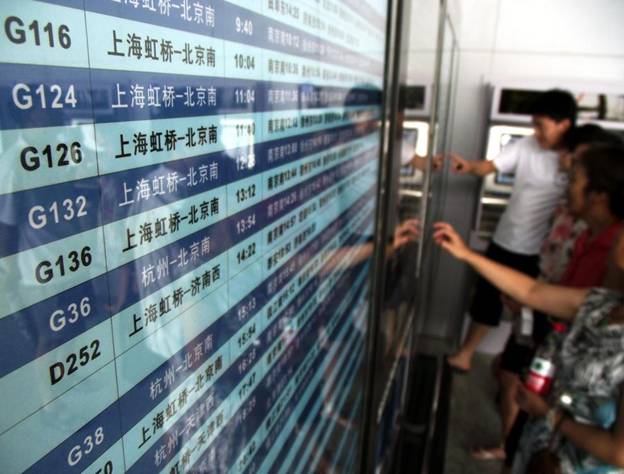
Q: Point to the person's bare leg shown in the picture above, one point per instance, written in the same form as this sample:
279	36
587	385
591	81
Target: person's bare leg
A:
462	359
508	407
508	411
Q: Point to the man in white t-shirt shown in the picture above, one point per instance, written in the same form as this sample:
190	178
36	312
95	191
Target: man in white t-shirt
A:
538	186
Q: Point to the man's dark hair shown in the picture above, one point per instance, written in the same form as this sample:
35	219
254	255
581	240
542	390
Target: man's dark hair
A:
555	104
591	134
604	166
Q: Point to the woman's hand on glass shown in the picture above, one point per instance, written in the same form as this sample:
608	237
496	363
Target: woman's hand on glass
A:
406	232
448	238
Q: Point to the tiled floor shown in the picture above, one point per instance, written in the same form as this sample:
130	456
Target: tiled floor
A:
473	419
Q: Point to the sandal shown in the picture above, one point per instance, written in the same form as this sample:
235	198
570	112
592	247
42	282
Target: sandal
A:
489	453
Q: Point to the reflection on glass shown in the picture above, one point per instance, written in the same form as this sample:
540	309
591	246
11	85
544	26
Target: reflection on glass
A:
410	162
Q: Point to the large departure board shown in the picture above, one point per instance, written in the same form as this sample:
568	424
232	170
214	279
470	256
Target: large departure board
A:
187	194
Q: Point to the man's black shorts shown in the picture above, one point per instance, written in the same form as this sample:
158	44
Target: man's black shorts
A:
486	305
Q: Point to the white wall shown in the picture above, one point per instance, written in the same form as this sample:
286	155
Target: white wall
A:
557	40
421	42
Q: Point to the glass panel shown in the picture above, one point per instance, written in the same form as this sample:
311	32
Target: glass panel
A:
409	162
186	216
441	148
444	124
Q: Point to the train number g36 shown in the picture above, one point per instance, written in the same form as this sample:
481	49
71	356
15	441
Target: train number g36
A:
61	317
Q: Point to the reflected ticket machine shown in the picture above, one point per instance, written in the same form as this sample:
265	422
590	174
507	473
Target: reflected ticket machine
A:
415	135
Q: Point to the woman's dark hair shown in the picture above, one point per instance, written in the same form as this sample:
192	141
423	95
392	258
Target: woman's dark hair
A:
604	167
591	134
555	104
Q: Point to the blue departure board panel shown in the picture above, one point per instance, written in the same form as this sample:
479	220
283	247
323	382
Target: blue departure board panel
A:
187	194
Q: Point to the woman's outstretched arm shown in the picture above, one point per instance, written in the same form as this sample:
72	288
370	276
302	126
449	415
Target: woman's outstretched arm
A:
562	302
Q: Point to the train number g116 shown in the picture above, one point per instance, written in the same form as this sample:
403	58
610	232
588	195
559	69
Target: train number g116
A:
18	33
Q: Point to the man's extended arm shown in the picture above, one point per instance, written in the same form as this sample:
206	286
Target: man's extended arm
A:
475	167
